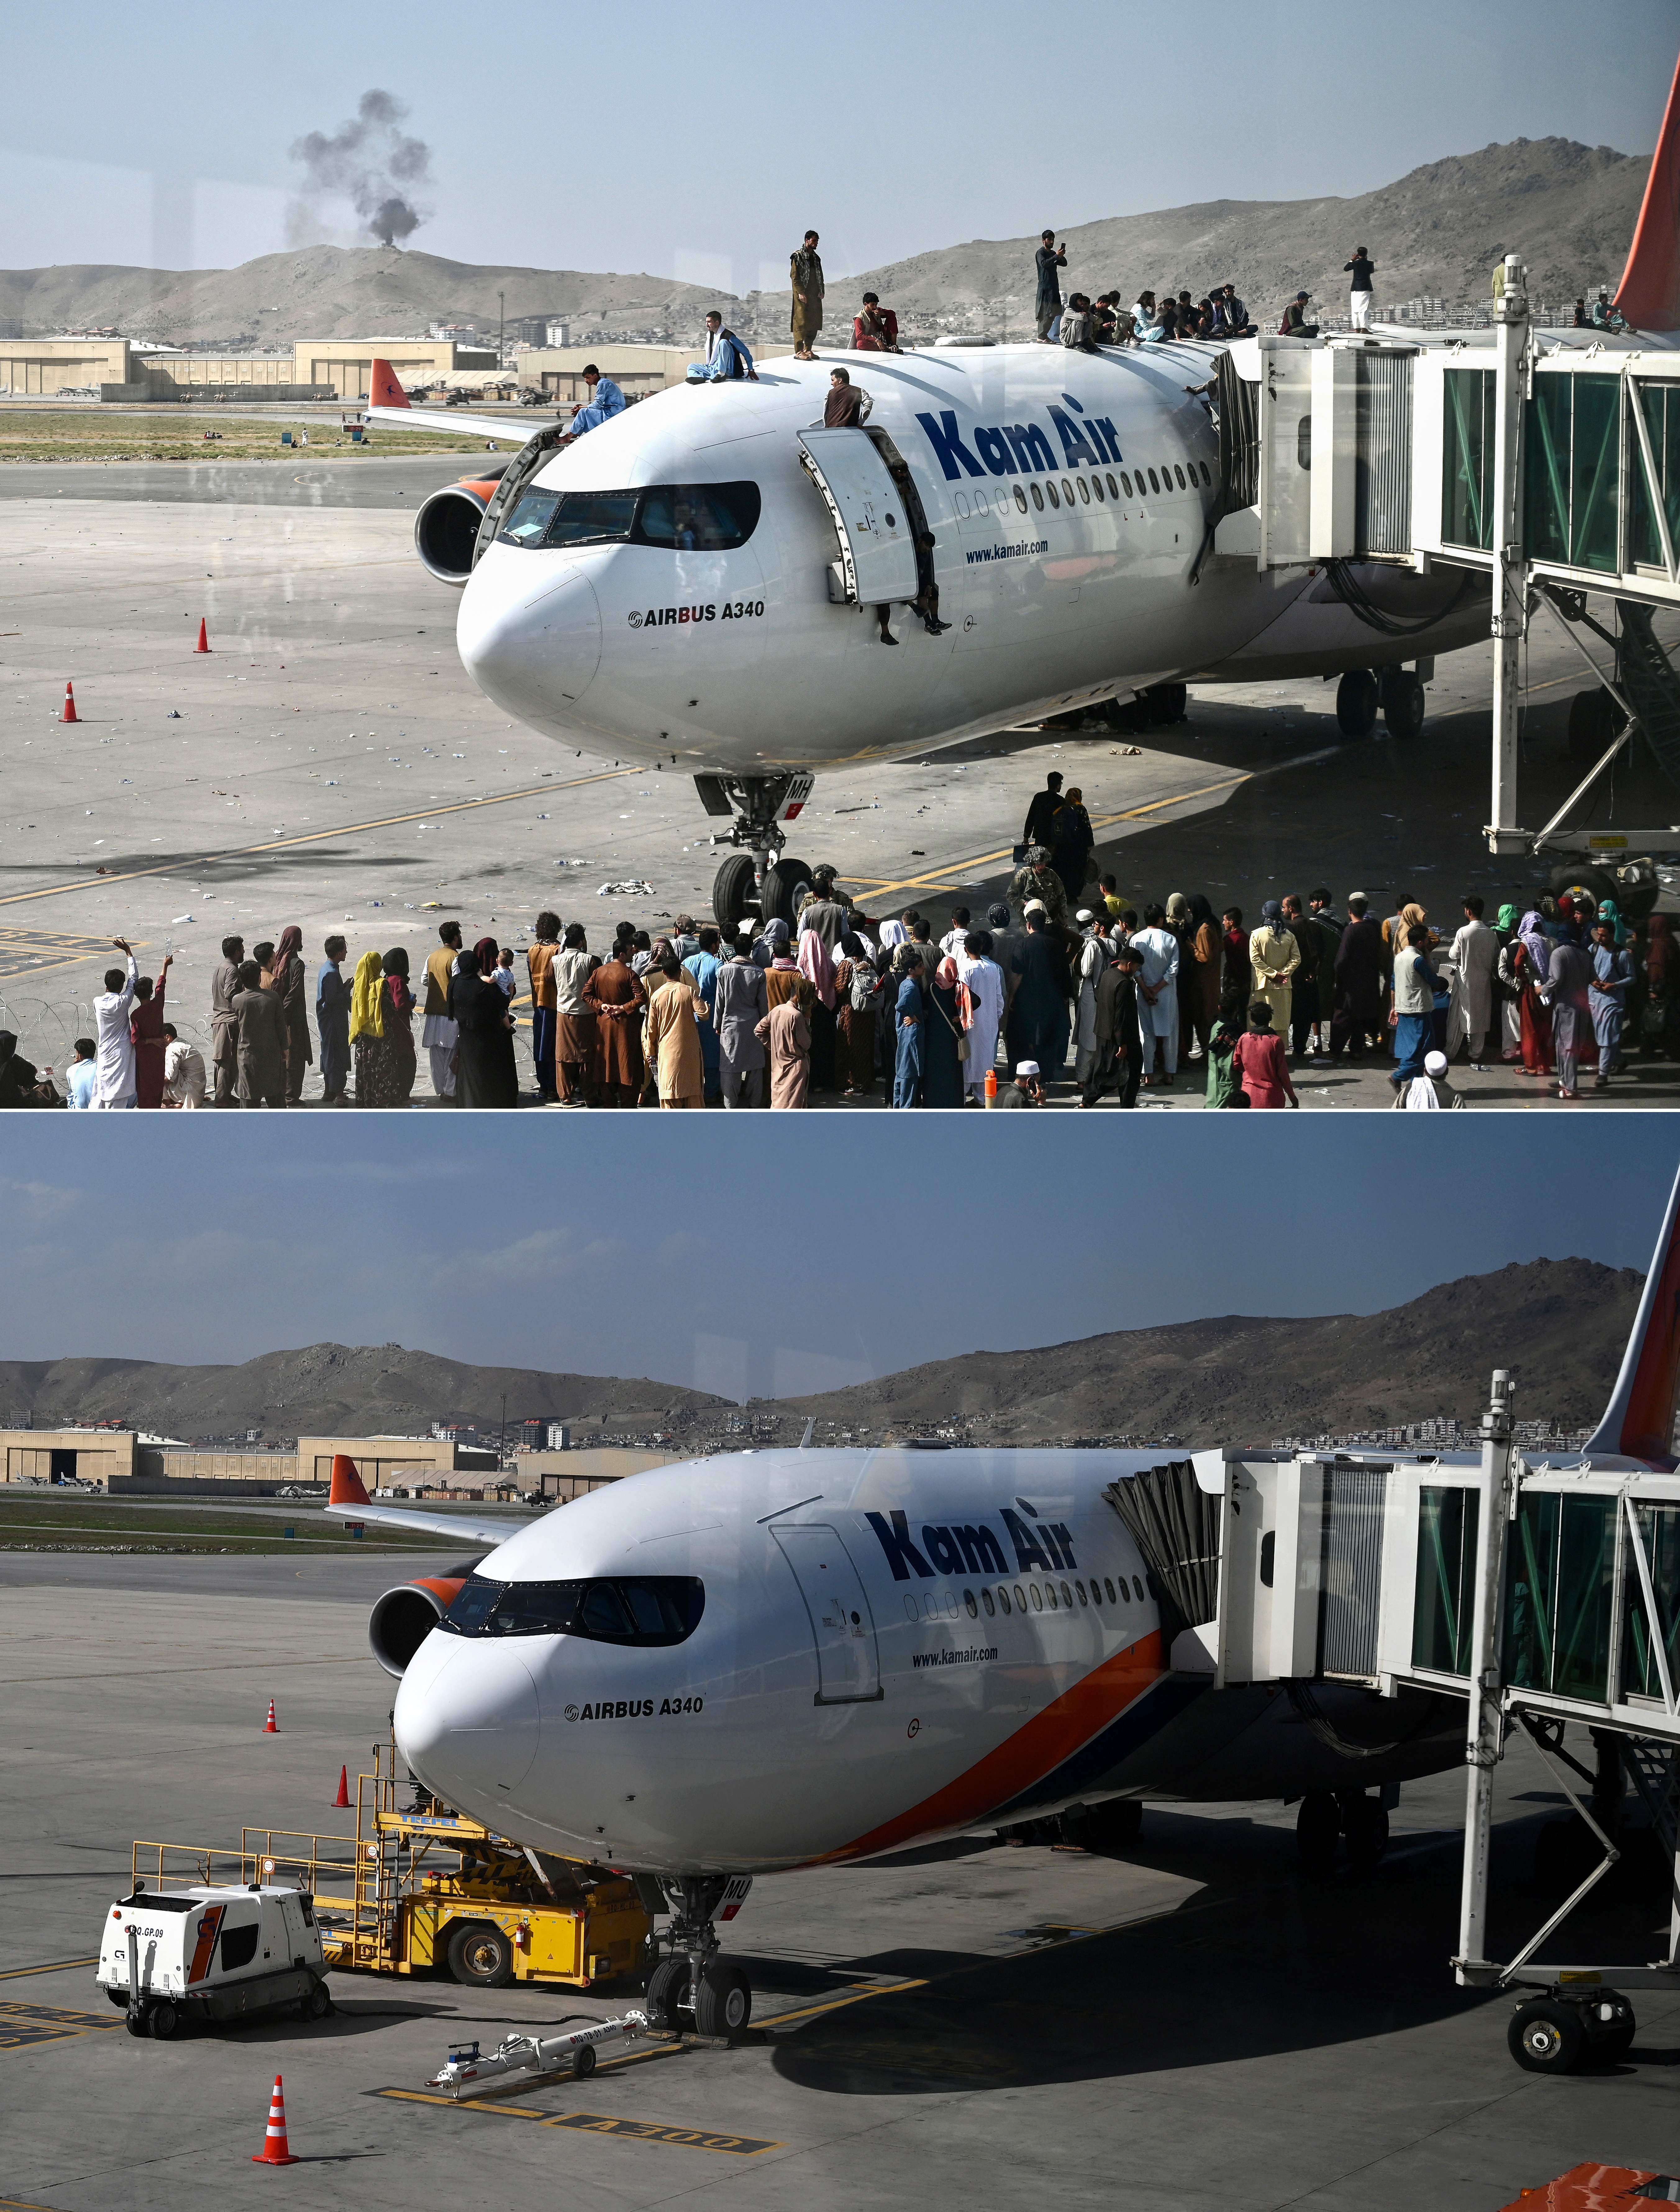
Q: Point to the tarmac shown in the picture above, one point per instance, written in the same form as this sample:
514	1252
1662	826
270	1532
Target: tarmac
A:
1194	2025
341	772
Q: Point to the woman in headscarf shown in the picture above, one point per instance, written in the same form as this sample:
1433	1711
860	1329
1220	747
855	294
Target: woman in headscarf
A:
615	997
375	1063
288	981
857	1014
944	1077
786	1034
1070	855
818	969
146	1035
1507	994
486	1076
399	1009
1526	965
1198	972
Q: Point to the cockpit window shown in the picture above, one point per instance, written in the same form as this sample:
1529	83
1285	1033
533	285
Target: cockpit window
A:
677	517
648	1609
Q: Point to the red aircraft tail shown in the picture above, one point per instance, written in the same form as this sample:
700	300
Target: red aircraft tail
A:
385	389
348	1487
1649	293
1639	1420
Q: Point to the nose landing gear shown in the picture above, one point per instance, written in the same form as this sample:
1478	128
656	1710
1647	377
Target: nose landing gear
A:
758	883
692	1987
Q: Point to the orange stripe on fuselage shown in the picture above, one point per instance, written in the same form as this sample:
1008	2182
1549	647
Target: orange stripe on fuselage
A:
1035	1750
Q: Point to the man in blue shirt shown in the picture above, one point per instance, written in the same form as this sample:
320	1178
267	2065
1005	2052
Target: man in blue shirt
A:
332	1019
605	400
702	965
1607	998
907	1019
81	1076
726	357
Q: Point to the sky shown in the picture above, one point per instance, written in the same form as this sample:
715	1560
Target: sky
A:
699	143
773	1256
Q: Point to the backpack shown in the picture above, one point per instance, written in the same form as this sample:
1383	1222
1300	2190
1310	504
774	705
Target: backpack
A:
864	984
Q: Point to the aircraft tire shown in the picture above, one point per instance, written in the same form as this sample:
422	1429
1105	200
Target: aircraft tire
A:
723	2004
1356	702
1365	1825
1167	702
734	892
1113	1825
481	1957
667	1987
1546	2037
786	883
1403	704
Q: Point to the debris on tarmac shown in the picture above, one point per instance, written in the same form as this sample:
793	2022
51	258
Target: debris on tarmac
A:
626	890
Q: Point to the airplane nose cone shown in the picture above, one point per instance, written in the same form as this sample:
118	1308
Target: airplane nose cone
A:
467	1721
531	638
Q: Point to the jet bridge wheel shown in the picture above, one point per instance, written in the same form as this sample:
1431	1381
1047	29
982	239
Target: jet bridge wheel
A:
734	891
1358	699
1546	2037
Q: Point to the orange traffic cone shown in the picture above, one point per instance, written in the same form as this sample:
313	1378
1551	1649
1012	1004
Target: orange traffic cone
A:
275	2150
343	1796
271	1726
68	713
204	644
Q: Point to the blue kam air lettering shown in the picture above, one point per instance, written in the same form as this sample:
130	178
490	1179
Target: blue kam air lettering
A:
971	1547
1010	449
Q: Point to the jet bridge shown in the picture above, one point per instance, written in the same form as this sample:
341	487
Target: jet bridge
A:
1544	1591
1544	473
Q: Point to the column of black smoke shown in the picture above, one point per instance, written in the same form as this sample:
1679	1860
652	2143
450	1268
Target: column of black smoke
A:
368	161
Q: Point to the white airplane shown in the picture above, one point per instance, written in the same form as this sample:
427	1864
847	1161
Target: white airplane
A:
777	1660
695	581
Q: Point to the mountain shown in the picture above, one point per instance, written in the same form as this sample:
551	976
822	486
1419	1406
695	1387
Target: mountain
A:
326	1390
1559	1324
1568	208
332	292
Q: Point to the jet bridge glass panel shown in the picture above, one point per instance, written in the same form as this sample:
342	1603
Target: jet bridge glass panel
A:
1660	405
1467	458
877	544
1572	476
1446	1592
1560	1587
1641	1676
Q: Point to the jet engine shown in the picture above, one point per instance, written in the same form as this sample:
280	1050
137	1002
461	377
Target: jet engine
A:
446	529
404	1617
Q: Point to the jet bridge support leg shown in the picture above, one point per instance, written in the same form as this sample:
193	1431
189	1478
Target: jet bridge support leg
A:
1510	618
1485	1736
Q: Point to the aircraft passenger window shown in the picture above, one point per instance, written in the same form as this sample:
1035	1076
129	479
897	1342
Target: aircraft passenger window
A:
1080	1587
1137	1585
1050	489
912	1610
1020	1599
1178	473
985	1600
1154	483
695	517
1038	498
973	1604
1004	1599
1083	493
1038	1601
1108	1584
1067	1597
532	512
592	518
1126	481
1067	491
1021	499
931	1605
961	504
1113	494
1096	485
1207	474
950	1605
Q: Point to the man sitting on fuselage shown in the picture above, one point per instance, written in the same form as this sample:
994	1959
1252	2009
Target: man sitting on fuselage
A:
605	400
726	358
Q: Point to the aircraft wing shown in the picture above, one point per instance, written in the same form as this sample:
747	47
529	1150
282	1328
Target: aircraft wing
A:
388	403
348	1500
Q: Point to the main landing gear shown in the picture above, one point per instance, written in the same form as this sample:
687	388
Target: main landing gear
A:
1329	1819
761	883
692	1986
1395	693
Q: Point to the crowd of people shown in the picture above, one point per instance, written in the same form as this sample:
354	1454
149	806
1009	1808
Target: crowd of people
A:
841	1005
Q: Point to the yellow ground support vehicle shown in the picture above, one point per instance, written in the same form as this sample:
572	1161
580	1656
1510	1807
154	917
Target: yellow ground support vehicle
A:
425	1890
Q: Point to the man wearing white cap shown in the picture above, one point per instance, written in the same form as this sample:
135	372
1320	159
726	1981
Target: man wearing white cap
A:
1430	1092
1026	1089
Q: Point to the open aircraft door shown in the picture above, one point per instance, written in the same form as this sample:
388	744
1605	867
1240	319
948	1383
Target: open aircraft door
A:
876	533
848	1665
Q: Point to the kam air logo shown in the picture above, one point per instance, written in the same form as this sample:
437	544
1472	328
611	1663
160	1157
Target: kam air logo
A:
1012	449
972	1547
